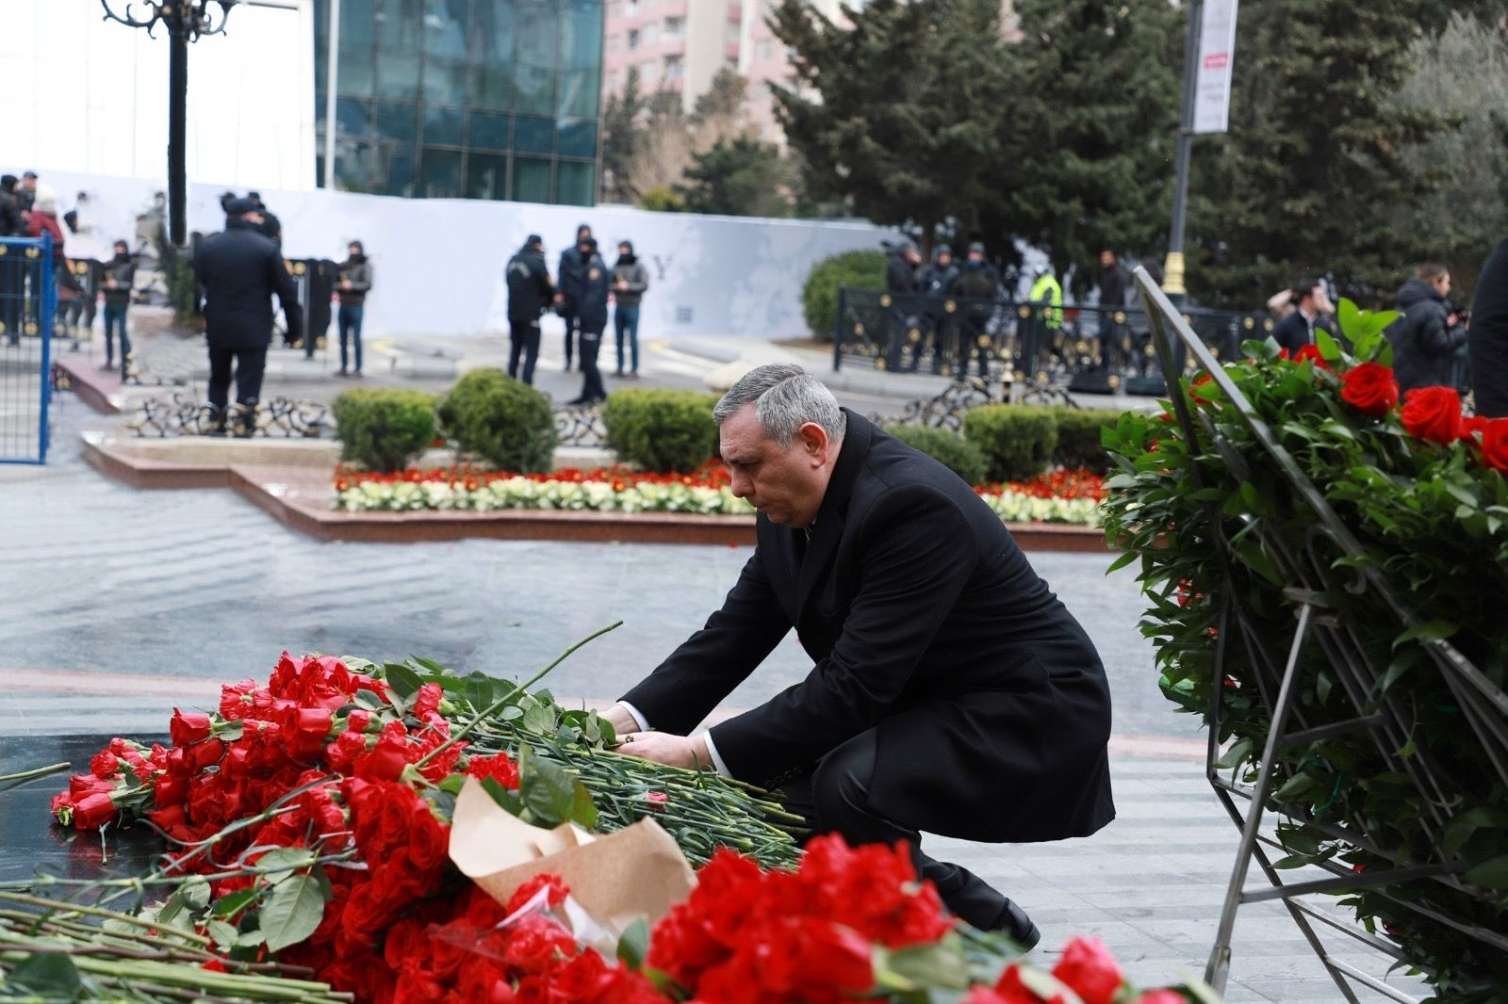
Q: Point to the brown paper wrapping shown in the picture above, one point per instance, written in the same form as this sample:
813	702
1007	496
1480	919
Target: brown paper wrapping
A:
638	871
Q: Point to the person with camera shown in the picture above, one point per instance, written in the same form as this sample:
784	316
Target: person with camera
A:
1426	341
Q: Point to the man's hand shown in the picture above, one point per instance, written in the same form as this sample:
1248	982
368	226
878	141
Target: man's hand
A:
677	751
618	717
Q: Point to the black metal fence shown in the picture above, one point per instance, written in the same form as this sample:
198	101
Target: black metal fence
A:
1084	349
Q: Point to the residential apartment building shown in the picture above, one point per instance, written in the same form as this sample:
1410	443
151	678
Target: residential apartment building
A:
679	45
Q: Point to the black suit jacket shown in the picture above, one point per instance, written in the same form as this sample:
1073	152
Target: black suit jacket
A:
925	622
1488	340
240	271
1293	332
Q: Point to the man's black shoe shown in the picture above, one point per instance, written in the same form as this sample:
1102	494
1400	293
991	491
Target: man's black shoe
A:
1014	923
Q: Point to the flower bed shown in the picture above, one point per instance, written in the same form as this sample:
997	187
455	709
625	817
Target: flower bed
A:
1070	497
309	823
1223	537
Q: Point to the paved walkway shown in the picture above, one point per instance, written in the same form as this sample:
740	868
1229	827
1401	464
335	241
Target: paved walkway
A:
119	604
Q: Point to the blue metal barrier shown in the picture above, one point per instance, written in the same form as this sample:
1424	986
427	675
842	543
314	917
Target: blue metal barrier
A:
28	304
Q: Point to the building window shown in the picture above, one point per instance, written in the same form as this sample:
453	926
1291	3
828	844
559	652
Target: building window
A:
765	50
575	183
531	180
633	38
675	27
673	68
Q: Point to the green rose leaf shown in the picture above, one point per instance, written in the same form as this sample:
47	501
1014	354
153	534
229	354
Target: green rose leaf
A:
292	912
1491	874
634	945
277	864
50	975
583	810
403	681
232	903
546	790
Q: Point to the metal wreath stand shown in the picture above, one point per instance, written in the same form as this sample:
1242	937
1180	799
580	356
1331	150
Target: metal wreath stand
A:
1387	721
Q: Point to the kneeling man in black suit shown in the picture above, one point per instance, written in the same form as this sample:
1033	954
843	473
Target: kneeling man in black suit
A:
952	691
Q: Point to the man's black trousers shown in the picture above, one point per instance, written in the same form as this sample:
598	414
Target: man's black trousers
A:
834	798
249	363
523	340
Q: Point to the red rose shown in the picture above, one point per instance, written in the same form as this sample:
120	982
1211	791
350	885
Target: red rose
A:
358	720
1088	969
1433	413
1010	989
500	768
104	764
1311	353
1369	388
1495	444
202	755
168	790
537	943
427	700
188	727
521	896
1162	997
93	811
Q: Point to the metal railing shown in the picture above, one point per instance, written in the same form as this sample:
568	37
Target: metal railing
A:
1329	562
28	304
1083	349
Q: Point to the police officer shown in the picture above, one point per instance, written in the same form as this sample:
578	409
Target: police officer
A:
529	293
240	270
901	284
591	312
935	281
568	279
1048	294
978	285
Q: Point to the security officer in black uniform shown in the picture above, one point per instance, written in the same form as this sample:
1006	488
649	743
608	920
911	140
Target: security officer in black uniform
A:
571	278
239	270
978	283
935	281
529	293
900	313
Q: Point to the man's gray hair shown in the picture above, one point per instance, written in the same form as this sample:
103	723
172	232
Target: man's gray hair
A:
785	397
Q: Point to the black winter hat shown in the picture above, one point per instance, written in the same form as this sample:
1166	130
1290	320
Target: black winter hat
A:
240	207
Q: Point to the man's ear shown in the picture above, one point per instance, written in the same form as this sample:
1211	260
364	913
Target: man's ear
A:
814	441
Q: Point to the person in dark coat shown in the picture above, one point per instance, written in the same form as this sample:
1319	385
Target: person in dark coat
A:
12	224
978	285
901	310
1296	329
240	270
26	195
630	281
934	282
271	227
1425	344
591	314
1112	281
354	285
529	293
952	692
119	277
1487	340
568	282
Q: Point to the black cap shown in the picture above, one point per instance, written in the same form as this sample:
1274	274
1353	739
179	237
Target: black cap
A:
941	249
532	240
240	207
31	175
976	246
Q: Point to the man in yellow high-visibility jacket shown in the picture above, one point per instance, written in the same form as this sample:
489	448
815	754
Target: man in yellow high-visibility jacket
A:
1047	293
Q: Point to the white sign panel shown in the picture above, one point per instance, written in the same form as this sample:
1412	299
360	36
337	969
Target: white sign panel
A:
1217	48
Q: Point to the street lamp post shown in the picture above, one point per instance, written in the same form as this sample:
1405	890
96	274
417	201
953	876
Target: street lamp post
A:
185	21
1173	267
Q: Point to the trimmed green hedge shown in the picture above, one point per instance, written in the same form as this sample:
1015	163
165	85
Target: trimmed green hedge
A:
948	448
661	430
383	428
819	297
507	423
1018	441
1079	443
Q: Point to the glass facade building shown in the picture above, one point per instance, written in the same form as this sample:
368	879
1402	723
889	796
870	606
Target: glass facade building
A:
478	99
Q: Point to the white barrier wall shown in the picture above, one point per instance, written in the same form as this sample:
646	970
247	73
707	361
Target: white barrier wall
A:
439	262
